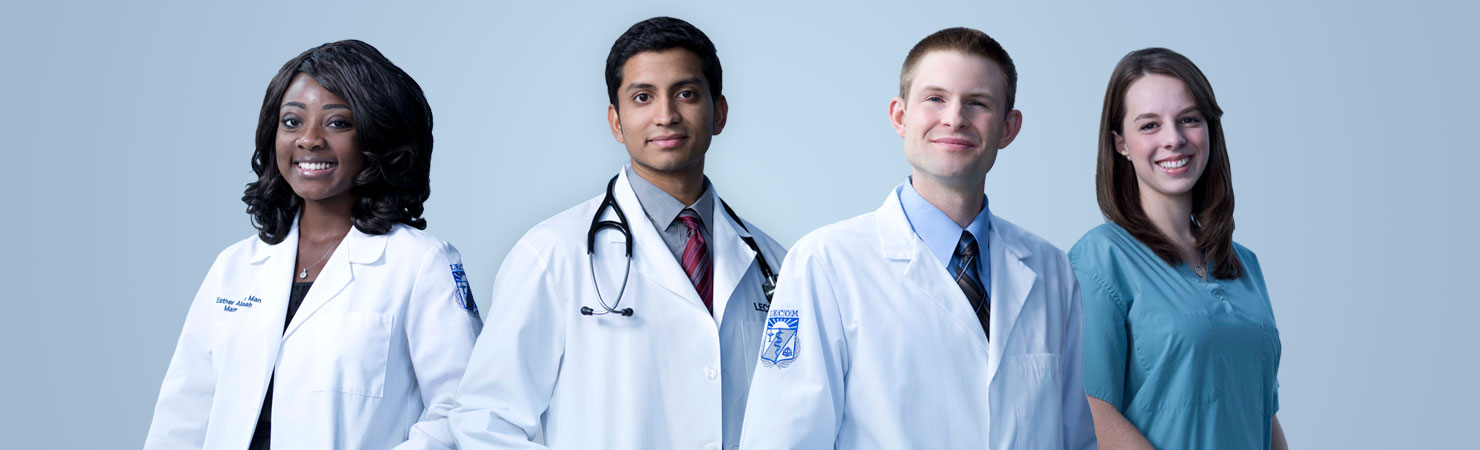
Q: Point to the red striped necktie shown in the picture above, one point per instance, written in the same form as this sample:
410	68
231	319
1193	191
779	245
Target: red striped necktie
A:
696	261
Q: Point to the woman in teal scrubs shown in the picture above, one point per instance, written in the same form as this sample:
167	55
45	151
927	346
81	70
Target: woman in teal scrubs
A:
1180	344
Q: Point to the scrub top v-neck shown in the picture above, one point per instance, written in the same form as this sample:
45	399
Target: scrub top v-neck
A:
1191	363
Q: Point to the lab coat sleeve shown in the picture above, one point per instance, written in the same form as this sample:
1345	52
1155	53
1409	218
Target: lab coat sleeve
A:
440	333
511	376
184	406
800	406
1079	425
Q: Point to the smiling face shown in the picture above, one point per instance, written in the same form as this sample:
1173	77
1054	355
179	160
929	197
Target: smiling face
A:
316	149
665	115
1164	135
954	119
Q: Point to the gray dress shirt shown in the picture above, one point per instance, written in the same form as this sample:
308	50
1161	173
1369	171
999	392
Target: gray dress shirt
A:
662	210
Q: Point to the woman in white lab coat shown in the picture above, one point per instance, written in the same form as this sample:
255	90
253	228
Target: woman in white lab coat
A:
340	324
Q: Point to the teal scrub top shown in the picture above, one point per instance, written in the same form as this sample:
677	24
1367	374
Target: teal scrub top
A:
1190	363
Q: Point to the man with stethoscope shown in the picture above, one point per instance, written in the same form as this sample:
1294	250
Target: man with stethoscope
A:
632	320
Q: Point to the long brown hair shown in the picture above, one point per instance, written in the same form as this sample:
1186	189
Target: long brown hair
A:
1212	196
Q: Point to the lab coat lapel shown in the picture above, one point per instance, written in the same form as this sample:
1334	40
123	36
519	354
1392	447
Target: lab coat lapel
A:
1012	281
273	282
732	257
923	271
356	248
650	256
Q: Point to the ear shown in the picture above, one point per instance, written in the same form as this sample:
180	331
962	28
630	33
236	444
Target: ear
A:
1010	131
1120	145
721	113
615	122
896	115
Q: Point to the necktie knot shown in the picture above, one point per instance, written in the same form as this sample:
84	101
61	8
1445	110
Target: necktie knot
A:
966	248
690	220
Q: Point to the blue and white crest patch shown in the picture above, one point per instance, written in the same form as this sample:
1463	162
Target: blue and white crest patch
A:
781	338
464	291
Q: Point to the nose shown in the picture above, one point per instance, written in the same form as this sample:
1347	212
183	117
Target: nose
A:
954	117
1175	138
310	139
667	112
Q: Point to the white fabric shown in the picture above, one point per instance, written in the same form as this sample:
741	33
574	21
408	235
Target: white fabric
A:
671	376
370	361
889	354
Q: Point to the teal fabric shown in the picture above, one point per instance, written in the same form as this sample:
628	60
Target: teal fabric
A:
1190	363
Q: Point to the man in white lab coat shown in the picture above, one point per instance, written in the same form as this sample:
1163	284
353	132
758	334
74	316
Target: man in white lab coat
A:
929	323
597	353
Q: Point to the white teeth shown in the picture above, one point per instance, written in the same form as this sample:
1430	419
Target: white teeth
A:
1174	164
315	165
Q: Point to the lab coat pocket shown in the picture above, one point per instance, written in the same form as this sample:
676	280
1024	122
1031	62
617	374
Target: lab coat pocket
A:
1033	389
351	357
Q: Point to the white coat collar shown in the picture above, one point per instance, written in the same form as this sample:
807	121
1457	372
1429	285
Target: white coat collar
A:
1012	280
650	256
279	261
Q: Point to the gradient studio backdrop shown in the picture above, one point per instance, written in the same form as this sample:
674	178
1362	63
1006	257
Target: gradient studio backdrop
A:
127	131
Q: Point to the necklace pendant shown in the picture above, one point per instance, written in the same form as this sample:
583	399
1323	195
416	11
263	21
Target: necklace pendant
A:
303	274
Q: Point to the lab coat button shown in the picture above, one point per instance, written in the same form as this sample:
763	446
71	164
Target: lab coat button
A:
710	373
711	446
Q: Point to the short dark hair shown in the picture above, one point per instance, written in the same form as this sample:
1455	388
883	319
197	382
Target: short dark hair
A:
658	34
1116	187
965	40
393	129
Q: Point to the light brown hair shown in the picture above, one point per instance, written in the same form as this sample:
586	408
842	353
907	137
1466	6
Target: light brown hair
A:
967	41
1212	195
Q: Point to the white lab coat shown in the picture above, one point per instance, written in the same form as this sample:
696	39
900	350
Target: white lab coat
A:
889	355
671	376
370	361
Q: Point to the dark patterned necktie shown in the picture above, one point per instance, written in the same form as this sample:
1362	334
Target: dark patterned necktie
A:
696	261
970	281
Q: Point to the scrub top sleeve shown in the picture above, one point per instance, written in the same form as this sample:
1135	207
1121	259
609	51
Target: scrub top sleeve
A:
797	392
1106	349
512	372
440	333
184	405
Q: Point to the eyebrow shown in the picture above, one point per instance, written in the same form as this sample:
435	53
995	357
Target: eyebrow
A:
684	82
328	106
982	94
1154	115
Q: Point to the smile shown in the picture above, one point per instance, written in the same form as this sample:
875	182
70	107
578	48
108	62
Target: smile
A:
314	169
668	141
316	165
1175	163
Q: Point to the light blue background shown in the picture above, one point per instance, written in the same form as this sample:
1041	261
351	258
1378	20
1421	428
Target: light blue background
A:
127	132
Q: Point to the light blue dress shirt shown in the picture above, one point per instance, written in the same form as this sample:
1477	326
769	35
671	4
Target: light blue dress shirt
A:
1190	363
941	234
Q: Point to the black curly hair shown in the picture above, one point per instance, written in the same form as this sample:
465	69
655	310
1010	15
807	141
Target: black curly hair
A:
393	128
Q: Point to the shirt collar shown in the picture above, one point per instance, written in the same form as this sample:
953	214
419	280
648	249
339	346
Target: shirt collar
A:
662	208
940	233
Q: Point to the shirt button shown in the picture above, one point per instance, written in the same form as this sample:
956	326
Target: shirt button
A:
710	373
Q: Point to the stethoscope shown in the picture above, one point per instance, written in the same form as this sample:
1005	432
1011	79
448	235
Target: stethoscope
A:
768	284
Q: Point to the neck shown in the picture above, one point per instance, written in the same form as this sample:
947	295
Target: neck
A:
960	201
685	185
1171	215
325	220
